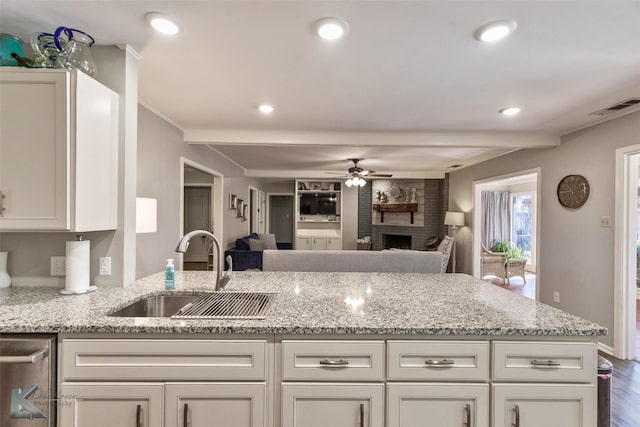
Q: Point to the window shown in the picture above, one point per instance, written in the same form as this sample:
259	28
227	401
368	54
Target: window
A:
523	224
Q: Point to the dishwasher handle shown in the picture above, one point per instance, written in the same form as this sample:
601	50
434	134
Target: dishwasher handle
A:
29	358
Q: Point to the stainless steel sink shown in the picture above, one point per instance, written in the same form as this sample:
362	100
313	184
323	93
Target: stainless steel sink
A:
156	306
211	305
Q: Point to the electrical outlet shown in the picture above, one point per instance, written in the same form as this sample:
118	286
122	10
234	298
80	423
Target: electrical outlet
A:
556	297
58	265
605	221
105	266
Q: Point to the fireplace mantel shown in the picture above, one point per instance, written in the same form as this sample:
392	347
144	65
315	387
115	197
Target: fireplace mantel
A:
395	207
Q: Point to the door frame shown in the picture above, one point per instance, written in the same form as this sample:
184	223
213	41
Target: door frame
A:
216	199
625	226
254	206
476	221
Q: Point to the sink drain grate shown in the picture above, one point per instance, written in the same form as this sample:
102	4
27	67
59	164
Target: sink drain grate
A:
227	305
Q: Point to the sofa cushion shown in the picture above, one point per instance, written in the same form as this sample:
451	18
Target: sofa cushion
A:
269	241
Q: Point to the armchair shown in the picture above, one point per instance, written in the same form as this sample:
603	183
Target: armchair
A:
497	264
492	263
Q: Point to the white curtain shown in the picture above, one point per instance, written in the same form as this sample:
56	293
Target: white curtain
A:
496	217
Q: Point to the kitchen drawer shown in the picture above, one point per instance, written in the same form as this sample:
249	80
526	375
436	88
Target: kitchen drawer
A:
333	360
139	359
438	360
544	361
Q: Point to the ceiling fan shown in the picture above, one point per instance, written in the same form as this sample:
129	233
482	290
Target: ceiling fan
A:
356	175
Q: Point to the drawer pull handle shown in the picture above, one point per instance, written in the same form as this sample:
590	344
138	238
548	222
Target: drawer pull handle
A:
185	416
362	415
544	363
334	363
467	411
2	208
438	363
516	409
139	416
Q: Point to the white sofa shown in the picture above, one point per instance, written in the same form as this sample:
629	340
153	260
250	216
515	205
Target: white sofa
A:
353	261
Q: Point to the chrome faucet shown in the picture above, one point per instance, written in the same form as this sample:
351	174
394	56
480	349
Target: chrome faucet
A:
183	245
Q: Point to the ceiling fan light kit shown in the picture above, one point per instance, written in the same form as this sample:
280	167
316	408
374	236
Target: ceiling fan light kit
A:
496	30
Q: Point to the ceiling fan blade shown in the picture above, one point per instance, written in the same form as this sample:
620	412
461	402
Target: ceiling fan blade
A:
381	175
336	173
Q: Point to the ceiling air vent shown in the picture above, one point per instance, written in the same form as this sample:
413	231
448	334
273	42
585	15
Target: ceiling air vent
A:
616	107
454	166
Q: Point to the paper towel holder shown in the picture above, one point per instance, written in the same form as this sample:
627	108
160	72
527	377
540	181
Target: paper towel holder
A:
89	288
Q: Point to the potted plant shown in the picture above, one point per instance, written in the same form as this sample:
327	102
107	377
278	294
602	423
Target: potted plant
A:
512	251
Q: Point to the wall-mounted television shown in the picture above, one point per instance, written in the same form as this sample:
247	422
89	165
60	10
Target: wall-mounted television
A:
318	204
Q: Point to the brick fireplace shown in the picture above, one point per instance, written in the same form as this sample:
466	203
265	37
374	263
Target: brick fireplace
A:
396	241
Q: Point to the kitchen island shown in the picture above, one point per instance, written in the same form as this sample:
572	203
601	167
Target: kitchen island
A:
339	349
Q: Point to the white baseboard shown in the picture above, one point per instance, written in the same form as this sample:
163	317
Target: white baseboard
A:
606	349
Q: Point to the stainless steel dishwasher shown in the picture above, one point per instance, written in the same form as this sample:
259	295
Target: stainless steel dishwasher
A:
28	380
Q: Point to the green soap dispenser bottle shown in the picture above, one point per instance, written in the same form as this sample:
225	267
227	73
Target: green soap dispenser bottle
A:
170	276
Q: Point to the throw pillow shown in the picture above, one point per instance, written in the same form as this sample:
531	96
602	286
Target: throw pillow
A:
243	244
257	245
269	241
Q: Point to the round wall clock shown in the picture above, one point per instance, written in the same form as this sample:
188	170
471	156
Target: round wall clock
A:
573	191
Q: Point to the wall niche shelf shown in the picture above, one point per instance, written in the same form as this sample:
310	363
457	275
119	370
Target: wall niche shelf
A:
395	207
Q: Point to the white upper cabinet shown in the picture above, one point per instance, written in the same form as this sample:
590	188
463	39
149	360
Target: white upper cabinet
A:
58	151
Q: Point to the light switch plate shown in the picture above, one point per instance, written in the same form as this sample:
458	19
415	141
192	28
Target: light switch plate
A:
105	266
58	265
605	221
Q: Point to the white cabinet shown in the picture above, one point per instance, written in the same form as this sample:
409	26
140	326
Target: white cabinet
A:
334	243
332	404
58	151
452	405
536	405
111	404
333	399
218	404
192	380
319	243
303	243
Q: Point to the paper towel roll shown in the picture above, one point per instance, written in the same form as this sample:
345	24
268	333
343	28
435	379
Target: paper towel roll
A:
78	262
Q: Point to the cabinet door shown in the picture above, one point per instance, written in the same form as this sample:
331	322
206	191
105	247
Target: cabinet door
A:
111	404
318	243
34	146
453	405
334	243
219	404
331	404
534	405
303	243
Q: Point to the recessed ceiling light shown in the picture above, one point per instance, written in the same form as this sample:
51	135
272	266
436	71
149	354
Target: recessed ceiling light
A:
331	28
266	108
496	30
509	111
163	23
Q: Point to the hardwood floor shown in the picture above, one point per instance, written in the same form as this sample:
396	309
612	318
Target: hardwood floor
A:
517	285
625	392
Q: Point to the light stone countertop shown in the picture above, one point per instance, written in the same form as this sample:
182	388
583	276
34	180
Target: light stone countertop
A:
307	303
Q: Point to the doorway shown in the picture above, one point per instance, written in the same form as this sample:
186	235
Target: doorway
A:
197	216
626	278
201	209
280	217
517	195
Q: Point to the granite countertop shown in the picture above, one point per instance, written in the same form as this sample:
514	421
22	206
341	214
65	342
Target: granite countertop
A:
306	303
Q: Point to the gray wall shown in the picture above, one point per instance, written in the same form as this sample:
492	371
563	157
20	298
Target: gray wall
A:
160	147
576	254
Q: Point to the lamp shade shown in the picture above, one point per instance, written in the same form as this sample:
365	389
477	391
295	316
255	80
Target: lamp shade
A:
146	215
454	218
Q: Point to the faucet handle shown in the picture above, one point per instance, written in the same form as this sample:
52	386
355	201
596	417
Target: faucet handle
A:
229	272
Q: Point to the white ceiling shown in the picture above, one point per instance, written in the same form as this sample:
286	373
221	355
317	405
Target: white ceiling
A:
409	89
